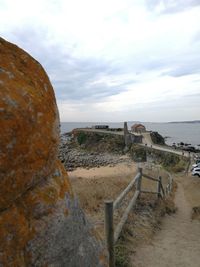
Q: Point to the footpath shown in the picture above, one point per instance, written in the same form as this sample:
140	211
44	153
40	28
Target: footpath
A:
147	141
177	244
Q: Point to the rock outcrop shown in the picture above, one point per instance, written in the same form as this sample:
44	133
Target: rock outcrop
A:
157	138
90	155
41	223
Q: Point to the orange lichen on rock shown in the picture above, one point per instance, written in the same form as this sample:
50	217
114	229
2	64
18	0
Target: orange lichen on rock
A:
15	232
41	223
29	137
29	132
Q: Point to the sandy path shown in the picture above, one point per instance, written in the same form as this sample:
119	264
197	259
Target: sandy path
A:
178	242
120	170
148	141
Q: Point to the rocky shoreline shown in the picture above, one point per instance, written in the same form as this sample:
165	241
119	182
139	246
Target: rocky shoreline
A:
73	156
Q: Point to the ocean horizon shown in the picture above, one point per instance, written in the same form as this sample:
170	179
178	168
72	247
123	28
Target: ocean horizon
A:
173	132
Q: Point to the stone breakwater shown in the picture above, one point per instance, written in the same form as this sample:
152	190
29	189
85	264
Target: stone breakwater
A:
41	223
74	157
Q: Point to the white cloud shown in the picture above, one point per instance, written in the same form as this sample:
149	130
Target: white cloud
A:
111	57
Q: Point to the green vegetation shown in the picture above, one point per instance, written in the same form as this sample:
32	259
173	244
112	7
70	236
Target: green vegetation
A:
169	161
81	138
138	153
180	166
121	254
157	138
100	142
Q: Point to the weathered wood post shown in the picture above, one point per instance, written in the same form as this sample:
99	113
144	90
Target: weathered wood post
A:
159	186
171	184
109	231
139	180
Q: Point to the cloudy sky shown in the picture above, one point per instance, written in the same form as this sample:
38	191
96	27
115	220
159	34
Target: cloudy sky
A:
113	60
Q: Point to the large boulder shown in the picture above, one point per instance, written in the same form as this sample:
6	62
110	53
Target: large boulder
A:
41	223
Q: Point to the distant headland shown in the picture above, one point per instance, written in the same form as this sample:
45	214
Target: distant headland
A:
195	121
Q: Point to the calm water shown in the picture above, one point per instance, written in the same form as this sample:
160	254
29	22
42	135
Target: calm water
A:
177	132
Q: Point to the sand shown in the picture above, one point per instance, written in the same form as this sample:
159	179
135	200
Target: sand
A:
119	170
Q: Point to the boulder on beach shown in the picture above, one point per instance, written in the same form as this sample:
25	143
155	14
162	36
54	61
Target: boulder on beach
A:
41	223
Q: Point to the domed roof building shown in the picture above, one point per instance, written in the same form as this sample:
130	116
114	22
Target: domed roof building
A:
138	128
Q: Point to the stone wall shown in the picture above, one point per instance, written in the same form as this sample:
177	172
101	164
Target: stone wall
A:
41	223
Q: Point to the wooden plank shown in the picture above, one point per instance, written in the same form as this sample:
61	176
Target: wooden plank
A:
162	189
109	231
125	192
171	184
170	179
159	186
149	177
125	216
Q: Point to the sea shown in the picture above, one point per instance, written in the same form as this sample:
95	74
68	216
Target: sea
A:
172	132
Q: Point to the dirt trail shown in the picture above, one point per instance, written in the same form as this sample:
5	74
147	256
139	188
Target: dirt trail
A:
178	241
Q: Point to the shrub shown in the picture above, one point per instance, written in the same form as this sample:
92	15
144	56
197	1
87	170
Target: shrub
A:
121	255
157	138
81	138
170	160
138	153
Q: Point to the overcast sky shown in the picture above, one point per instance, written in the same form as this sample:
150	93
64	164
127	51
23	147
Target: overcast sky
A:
113	60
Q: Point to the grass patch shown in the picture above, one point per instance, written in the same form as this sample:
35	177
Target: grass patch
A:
180	166
100	142
121	255
81	138
174	163
143	221
171	162
138	153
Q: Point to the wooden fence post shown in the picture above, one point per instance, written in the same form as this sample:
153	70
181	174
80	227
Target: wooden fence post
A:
171	184
159	186
139	180
109	231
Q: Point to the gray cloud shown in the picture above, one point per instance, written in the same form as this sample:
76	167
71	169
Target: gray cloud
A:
195	96
80	90
183	71
79	79
196	37
172	6
182	66
73	78
92	79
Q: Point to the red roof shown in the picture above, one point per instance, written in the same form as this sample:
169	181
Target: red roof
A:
138	125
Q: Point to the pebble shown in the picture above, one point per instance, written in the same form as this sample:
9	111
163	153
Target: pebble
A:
74	157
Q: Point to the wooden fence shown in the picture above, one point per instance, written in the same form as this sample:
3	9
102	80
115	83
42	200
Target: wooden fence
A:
112	234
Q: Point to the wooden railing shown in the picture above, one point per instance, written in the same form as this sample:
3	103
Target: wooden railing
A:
112	234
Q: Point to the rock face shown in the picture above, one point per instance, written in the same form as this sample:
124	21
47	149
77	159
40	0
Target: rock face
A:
157	138
41	223
73	156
